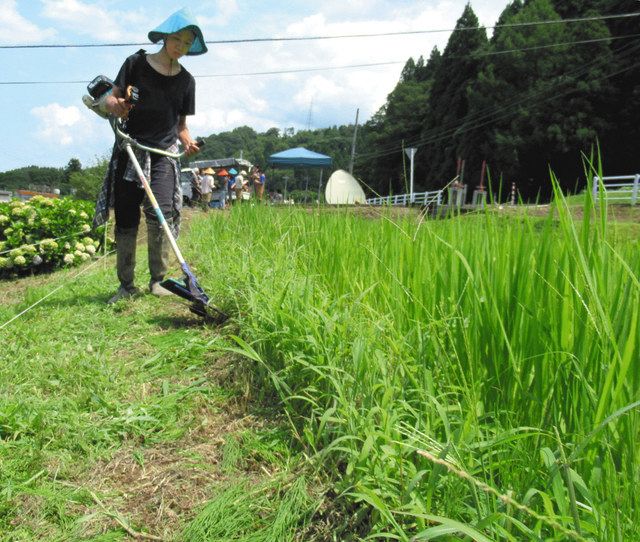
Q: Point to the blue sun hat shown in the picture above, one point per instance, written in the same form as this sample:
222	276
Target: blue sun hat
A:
180	20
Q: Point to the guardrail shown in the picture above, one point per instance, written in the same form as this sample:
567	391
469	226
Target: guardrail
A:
617	190
419	198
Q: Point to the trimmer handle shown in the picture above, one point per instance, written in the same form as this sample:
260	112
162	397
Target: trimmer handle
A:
99	90
131	95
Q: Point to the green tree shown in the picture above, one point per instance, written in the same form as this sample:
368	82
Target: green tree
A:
72	166
32	177
538	106
396	125
620	143
86	183
448	103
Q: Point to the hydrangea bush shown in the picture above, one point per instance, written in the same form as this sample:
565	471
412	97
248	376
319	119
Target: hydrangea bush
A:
43	234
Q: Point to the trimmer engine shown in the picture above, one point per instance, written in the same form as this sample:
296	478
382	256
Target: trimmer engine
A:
99	89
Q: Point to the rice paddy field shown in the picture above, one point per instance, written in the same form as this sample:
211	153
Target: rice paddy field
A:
472	378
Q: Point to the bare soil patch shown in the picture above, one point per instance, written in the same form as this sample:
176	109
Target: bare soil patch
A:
156	489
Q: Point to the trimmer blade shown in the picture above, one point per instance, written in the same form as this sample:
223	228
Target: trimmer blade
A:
198	306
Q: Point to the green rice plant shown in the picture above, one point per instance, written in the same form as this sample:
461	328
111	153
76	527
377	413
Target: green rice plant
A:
479	336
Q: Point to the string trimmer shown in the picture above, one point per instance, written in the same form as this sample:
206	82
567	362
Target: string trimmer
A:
188	288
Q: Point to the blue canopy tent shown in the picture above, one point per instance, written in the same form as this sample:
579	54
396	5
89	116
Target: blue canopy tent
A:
301	157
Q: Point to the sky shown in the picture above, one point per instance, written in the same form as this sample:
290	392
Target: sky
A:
46	124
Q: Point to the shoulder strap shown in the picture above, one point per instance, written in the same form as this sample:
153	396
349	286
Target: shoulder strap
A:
140	57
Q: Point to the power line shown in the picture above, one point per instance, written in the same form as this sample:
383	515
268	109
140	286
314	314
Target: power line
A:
505	110
451	128
301	70
334	37
559	44
349	66
275	72
463	128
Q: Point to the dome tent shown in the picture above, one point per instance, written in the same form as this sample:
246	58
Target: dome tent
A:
342	188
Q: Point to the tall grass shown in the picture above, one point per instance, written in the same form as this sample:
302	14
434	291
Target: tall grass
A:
505	346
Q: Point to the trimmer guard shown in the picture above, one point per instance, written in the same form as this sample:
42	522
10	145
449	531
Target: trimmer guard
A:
189	289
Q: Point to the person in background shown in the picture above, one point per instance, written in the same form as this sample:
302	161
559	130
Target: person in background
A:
159	120
230	185
224	189
238	185
206	187
259	180
196	182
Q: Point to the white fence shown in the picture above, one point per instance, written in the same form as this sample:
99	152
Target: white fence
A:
419	198
617	188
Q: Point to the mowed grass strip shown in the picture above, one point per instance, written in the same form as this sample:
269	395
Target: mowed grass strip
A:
109	412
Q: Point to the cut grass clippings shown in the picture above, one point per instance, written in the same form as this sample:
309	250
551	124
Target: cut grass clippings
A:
110	420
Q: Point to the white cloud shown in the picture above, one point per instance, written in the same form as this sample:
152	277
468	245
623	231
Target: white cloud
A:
226	104
215	17
14	28
93	20
60	125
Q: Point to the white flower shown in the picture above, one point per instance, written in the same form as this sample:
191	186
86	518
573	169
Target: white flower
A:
90	249
28	249
67	246
85	256
68	259
80	247
87	241
72	212
86	228
4	219
17	211
84	215
48	245
20	260
78	253
5	263
37	260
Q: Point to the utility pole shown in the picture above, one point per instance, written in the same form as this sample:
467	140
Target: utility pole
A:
353	143
320	185
411	152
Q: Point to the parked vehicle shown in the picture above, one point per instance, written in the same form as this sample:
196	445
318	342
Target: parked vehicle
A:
187	177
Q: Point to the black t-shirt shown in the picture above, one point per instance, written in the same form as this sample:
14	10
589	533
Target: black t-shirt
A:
163	99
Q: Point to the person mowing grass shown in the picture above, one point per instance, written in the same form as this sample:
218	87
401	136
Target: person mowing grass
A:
166	93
